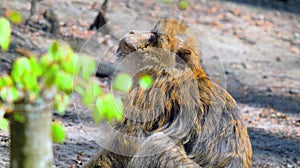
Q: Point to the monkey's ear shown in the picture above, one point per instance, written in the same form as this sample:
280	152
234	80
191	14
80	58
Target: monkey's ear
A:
184	54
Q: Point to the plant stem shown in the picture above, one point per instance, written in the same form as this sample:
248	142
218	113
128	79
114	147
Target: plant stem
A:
31	142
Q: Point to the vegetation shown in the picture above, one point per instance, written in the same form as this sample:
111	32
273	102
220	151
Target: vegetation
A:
183	4
36	86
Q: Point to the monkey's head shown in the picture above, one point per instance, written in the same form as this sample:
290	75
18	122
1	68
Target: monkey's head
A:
170	42
170	54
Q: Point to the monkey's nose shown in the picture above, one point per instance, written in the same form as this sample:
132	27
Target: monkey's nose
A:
131	32
136	39
137	32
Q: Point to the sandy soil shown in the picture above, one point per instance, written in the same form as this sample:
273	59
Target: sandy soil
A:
251	51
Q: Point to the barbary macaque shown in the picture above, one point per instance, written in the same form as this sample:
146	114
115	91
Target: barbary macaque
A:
184	119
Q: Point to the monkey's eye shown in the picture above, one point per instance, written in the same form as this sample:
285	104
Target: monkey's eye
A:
153	37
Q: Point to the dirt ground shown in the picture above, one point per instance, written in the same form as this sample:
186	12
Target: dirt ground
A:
251	50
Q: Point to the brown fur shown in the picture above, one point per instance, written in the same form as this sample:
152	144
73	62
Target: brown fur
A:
184	119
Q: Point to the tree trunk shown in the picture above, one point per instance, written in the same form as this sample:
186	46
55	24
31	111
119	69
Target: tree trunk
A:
30	131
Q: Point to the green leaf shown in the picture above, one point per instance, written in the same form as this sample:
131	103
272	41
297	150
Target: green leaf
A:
4	33
3	93
54	50
9	94
5	80
19	118
46	61
145	81
30	81
101	106
2	82
17	71
92	91
109	107
68	63
88	68
3	124
115	107
61	103
22	73
25	72
79	89
64	81
14	16
58	132
97	89
13	95
88	97
122	83
97	117
78	65
50	74
60	53
2	110
183	4
119	108
35	68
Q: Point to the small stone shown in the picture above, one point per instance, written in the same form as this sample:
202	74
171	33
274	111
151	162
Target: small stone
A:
277	13
278	59
279	115
247	40
263	114
293	91
246	66
261	17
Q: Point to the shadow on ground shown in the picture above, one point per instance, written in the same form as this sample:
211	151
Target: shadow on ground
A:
278	102
274	148
280	5
265	98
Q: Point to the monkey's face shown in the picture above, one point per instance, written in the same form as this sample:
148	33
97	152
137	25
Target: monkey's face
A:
170	42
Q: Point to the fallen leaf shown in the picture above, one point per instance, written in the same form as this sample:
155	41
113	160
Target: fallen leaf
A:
295	50
259	23
268	24
216	24
212	10
236	12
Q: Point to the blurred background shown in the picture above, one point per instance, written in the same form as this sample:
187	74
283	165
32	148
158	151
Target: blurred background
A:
249	47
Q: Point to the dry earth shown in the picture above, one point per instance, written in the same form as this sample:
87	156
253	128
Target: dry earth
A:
254	52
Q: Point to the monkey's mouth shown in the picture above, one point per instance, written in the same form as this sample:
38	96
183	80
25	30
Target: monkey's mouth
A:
145	61
131	43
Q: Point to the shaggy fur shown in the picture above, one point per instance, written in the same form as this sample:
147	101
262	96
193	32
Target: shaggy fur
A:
184	119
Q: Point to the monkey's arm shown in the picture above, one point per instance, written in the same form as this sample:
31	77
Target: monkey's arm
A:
159	150
106	159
